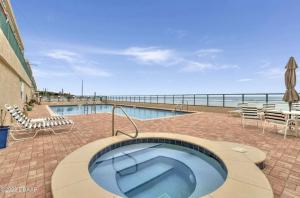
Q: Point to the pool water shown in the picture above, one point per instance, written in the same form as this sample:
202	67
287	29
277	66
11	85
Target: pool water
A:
146	170
135	112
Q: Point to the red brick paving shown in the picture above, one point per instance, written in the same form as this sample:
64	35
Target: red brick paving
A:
31	163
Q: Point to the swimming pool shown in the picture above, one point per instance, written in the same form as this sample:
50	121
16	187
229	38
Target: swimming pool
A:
146	168
135	112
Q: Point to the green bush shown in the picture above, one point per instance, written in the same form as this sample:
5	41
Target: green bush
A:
32	102
29	108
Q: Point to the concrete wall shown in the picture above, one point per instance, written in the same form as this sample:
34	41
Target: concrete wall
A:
12	75
10	87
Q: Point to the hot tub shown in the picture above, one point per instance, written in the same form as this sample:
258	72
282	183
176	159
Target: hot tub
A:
147	167
161	165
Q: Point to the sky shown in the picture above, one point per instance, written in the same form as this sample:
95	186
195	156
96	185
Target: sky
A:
136	47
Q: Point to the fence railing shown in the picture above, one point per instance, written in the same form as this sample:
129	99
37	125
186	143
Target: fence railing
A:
211	100
214	100
72	99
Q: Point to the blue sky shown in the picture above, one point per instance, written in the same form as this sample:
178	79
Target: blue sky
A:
159	47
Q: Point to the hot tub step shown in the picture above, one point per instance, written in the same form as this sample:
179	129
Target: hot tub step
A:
122	156
144	173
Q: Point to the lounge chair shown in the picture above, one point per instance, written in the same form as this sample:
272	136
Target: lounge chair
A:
238	109
8	107
296	107
268	106
250	113
278	118
25	124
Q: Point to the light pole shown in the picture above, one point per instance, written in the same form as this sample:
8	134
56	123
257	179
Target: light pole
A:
82	88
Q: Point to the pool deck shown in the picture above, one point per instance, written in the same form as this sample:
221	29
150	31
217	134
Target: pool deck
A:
31	163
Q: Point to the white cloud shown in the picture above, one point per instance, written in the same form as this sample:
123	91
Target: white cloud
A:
147	55
42	73
168	57
269	71
64	55
212	52
193	66
90	71
74	63
272	72
74	71
227	66
244	79
165	57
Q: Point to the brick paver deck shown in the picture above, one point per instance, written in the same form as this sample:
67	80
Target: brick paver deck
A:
31	163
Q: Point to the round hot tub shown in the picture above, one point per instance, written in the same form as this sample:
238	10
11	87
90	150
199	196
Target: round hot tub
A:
157	167
161	165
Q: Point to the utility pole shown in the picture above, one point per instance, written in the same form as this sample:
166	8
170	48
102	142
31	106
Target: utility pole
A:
82	88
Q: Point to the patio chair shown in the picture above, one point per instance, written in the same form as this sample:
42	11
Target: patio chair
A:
268	106
249	113
24	124
8	107
238	109
277	118
295	107
296	119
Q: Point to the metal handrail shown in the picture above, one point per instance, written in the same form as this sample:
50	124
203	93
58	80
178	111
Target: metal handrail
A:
118	131
135	165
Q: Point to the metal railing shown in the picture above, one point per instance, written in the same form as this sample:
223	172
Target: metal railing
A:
212	100
135	165
84	99
115	133
186	100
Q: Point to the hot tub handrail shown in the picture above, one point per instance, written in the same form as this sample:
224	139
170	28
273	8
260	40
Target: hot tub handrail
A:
119	171
118	131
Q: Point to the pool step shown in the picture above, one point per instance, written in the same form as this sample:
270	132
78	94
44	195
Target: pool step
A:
122	156
165	195
144	173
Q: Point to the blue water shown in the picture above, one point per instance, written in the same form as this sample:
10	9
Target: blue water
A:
135	112
147	170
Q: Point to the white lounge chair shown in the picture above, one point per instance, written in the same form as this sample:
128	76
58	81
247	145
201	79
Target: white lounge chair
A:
268	106
250	113
8	107
238	109
296	107
24	124
278	118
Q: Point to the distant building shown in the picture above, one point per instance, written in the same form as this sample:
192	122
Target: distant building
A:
17	84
